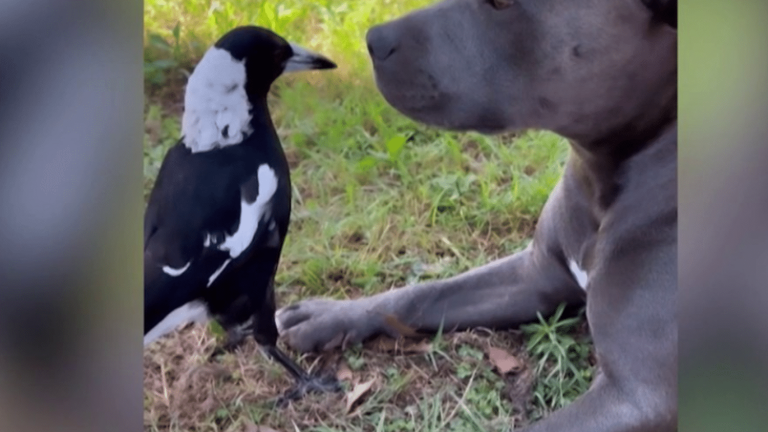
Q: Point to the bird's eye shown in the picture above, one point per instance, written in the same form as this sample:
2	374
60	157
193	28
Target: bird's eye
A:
500	4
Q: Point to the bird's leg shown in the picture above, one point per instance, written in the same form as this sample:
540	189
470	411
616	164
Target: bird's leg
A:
266	336
265	333
295	370
235	337
305	383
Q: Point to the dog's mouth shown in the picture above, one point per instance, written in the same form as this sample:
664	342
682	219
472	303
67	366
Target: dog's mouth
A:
419	95
416	95
416	91
440	109
489	129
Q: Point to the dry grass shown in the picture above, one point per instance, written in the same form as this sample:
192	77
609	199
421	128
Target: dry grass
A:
186	392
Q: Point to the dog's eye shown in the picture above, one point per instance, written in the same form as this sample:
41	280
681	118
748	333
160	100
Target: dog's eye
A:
500	4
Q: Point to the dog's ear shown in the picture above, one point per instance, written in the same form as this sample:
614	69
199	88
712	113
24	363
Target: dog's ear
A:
664	11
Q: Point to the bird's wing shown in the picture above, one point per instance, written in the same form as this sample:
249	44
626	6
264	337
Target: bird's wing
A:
198	220
193	211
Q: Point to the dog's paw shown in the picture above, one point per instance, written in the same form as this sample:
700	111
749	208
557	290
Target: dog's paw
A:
321	324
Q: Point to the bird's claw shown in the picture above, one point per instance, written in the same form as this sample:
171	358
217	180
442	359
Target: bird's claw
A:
310	384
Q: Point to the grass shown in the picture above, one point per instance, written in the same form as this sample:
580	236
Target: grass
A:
562	362
379	202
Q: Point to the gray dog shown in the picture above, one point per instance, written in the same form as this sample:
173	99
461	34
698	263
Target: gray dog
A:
602	73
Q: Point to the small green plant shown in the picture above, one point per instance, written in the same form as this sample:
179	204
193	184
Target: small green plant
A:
161	57
354	358
562	362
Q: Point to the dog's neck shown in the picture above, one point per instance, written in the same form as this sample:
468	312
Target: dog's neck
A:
601	165
616	136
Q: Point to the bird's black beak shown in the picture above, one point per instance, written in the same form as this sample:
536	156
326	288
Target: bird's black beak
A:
304	59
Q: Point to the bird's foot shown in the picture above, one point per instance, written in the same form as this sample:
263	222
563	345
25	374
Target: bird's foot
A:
320	383
233	341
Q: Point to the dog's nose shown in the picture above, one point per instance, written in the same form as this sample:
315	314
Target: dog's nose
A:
381	43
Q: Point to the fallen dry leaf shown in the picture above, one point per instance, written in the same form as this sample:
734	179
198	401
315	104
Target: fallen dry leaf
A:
344	373
504	361
422	347
401	329
358	392
250	427
400	346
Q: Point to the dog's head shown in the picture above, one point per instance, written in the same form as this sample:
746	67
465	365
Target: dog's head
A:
582	68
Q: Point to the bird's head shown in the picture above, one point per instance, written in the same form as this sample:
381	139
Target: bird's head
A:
233	76
265	56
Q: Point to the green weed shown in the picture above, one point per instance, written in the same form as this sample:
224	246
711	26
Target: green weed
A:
562	360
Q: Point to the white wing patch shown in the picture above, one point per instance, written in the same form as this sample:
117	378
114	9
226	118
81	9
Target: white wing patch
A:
581	276
190	312
217	272
250	213
216	107
175	272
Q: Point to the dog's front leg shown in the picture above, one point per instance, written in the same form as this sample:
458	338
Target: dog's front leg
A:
501	294
631	307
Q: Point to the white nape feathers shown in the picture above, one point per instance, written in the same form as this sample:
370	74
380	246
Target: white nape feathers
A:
216	107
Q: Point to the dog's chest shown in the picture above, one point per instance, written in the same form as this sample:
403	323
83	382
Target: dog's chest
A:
579	262
574	235
577	236
578	273
576	229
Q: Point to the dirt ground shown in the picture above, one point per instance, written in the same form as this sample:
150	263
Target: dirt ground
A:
185	391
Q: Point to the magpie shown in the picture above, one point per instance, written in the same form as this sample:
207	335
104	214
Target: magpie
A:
219	211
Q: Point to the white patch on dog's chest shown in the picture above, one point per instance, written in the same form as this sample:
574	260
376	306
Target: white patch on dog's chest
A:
580	275
216	106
